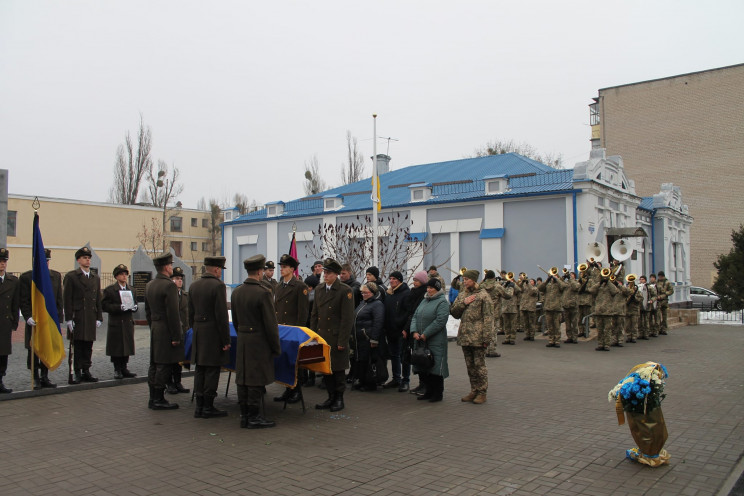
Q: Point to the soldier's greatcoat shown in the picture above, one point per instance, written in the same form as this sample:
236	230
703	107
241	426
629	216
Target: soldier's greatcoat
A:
25	288
82	297
208	319
332	318
120	335
183	311
291	302
161	310
476	319
10	303
254	318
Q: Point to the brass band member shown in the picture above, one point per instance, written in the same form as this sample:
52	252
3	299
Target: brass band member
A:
646	307
586	300
664	290
604	292
654	316
618	320
570	304
528	306
632	310
509	293
553	289
489	285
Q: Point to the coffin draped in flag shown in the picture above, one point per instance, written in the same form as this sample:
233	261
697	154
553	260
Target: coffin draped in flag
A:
46	339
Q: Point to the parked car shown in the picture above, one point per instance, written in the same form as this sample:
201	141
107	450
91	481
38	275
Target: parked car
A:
704	298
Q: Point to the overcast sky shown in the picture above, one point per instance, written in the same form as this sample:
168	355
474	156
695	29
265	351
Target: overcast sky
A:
239	95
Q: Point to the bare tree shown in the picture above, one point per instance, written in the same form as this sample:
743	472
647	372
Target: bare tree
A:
243	204
215	231
313	182
162	191
500	147
151	237
353	170
131	166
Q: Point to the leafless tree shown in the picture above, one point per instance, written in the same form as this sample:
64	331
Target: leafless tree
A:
162	191
313	182
243	204
151	237
353	170
131	166
500	147
215	231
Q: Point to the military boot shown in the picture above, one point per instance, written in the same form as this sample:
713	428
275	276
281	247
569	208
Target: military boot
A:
480	399
256	421
338	403
45	382
243	415
117	373
86	376
170	388
469	397
210	411
327	403
3	389
160	403
285	395
199	407
181	389
37	381
295	396
152	397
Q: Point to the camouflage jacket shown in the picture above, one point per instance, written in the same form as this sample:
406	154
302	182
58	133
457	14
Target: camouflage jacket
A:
664	290
633	301
651	297
571	294
620	298
509	297
528	301
553	291
476	319
490	286
585	297
604	292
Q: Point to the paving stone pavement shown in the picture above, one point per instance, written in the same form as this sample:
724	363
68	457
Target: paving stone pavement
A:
547	428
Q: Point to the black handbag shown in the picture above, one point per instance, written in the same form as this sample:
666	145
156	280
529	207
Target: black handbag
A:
421	357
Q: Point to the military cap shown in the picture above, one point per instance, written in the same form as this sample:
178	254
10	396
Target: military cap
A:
177	272
269	265
289	260
163	260
331	265
254	263
471	274
119	269
83	252
47	253
4	254
215	262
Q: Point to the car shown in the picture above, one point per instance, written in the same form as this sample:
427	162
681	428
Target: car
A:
704	298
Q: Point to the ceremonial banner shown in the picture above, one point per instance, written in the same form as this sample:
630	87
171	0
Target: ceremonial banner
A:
293	253
46	340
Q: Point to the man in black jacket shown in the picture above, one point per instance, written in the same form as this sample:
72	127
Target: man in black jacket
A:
396	316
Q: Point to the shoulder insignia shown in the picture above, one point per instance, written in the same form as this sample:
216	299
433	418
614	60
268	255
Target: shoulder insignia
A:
304	291
348	295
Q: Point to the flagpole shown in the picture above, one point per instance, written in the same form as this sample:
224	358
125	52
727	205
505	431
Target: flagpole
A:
375	186
32	344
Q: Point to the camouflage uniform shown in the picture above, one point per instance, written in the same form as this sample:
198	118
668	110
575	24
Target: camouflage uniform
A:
476	328
632	313
489	286
664	289
618	320
585	303
553	288
570	304
509	299
653	314
528	307
604	292
645	315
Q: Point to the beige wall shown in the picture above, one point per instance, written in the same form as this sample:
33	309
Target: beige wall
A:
111	229
688	130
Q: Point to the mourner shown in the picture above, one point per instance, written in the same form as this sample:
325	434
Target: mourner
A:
166	346
174	385
291	302
120	334
10	302
369	320
84	314
415	296
255	321
41	372
429	329
333	318
210	341
396	315
474	308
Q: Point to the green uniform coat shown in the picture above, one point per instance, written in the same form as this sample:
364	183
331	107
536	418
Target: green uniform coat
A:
161	311
209	322
333	318
82	297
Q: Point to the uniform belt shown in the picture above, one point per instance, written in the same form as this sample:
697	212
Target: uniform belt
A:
202	318
247	328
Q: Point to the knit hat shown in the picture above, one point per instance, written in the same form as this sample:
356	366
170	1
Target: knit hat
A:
434	283
471	274
374	271
396	274
421	276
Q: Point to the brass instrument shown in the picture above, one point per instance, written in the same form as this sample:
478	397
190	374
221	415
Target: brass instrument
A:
583	267
605	272
631	278
620	250
463	270
595	252
510	276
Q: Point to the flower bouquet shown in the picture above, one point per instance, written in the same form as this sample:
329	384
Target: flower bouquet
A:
638	398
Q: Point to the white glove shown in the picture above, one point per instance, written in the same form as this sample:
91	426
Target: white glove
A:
70	325
98	323
124	307
134	309
31	321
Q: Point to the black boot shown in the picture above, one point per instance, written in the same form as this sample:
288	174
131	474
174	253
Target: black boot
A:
421	388
170	388
160	403
243	415
88	377
37	381
327	403
45	382
437	382
181	389
430	388
285	395
152	397
295	396
76	378
117	374
210	411
3	389
126	373
199	407
338	403
256	421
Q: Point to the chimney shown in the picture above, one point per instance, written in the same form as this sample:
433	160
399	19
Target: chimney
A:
383	164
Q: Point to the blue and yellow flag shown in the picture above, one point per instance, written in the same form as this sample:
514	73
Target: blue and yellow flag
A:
376	191
46	340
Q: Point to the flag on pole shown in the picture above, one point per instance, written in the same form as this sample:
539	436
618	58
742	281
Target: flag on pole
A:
376	190
293	253
46	341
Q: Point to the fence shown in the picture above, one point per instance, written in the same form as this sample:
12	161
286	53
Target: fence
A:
709	315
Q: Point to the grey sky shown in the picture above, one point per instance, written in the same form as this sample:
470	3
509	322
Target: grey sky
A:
240	94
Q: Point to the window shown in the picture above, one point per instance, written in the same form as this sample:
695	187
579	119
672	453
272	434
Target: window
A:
12	222
330	203
177	247
176	224
205	222
193	246
204	246
418	194
194	222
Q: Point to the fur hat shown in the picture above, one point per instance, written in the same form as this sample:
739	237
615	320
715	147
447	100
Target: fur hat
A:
434	283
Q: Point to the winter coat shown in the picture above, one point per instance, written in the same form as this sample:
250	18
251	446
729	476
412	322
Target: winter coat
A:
476	319
120	334
333	318
82	297
430	319
529	298
415	296
291	302
620	298
368	327
571	294
209	322
396	311
161	311
10	303
509	297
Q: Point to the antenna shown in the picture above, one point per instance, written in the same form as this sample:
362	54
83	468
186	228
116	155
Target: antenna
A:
389	139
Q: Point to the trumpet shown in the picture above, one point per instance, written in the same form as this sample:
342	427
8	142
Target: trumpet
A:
605	272
631	278
463	270
583	267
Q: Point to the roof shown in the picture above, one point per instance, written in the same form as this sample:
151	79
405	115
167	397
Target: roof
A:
451	181
647	203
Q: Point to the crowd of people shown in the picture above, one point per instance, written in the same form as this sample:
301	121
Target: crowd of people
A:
377	334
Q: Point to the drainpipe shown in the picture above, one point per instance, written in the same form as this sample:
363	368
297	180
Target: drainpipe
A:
575	234
653	241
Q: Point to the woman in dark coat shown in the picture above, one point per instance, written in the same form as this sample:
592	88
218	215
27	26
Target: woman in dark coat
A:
368	331
429	327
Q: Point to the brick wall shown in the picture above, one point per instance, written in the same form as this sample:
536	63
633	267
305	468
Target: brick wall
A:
688	130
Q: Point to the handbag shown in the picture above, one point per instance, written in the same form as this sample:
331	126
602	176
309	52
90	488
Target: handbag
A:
422	358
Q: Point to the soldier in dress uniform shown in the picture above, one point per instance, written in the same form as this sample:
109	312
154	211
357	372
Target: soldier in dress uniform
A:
10	303
41	372
553	289
664	289
570	304
332	318
528	306
604	292
632	310
474	308
291	302
210	342
120	334
82	297
166	345
268	275
174	385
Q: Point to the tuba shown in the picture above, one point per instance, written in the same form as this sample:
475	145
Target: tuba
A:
595	252
620	250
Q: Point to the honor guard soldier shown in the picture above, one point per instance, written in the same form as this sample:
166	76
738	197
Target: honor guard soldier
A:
82	297
664	289
120	335
254	318
268	275
291	303
332	318
166	346
553	289
210	342
174	385
10	302
41	372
